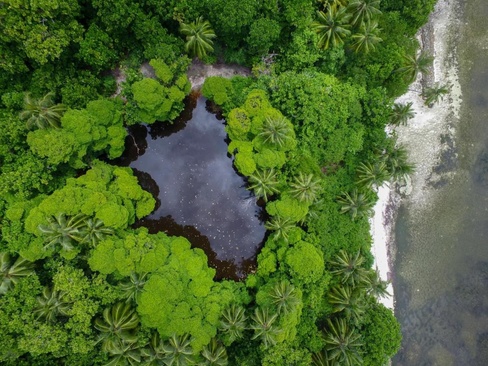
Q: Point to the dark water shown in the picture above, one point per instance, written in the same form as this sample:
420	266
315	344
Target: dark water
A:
441	281
185	166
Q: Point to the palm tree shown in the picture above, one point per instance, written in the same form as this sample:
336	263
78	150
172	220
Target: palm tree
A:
132	289
415	64
342	344
199	36
372	175
275	131
367	38
63	231
401	113
432	95
321	359
94	231
377	287
118	323
280	226
214	354
397	163
264	183
332	27
42	112
305	188
346	300
52	304
124	353
264	328
233	322
363	11
350	268
153	354
284	297
357	203
12	272
178	351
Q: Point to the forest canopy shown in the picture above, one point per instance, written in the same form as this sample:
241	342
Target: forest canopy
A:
79	285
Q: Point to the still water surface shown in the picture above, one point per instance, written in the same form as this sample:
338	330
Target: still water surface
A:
441	281
199	195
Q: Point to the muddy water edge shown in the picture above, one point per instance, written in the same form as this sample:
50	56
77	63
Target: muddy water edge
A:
441	265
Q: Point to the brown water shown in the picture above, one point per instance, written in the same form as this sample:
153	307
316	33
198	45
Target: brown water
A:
185	165
441	270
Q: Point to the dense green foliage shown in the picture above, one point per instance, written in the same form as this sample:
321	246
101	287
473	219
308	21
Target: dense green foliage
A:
79	286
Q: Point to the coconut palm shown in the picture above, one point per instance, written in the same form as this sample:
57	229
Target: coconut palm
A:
94	231
233	322
397	163
280	226
372	174
342	344
363	11
214	354
415	64
333	3
264	183
432	95
263	326
305	188
12	272
52	304
118	323
347	301
321	359
178	351
63	231
124	353
42	112
366	39
153	353
276	131
332	27
132	289
377	287
199	36
356	203
349	268
401	113
284	297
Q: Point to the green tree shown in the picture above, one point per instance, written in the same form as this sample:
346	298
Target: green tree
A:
348	302
350	268
366	39
178	351
401	113
396	161
415	64
377	287
305	187
199	35
332	27
214	354
356	203
233	322
342	343
118	324
52	304
63	231
264	328
363	11
264	183
12	272
284	296
42	112
432	95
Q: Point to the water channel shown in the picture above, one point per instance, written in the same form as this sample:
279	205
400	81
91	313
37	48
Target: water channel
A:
185	165
441	267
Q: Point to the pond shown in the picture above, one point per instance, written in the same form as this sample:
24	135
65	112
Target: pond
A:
185	165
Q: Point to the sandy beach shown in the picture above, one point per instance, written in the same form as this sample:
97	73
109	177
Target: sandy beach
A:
427	136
